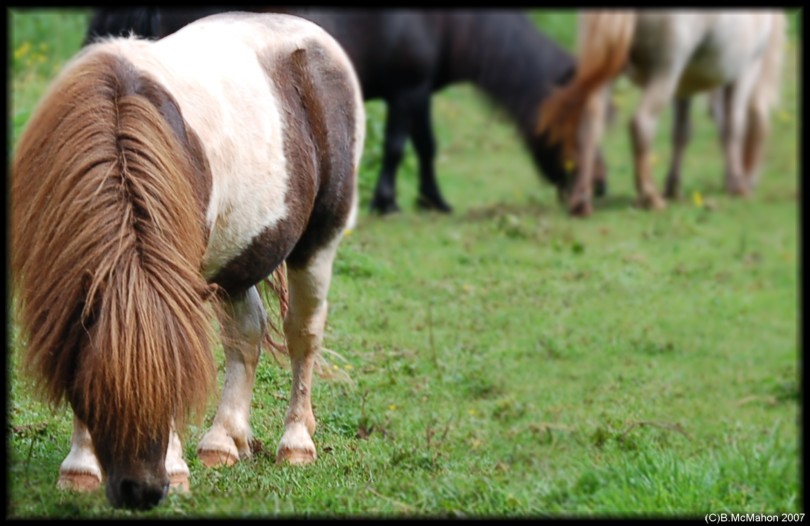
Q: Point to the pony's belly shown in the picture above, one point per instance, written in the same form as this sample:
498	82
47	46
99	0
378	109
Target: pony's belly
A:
693	82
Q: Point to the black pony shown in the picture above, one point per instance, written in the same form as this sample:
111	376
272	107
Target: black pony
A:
403	56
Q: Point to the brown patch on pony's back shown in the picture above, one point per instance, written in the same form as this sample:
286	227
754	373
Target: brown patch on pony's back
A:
318	141
317	105
107	234
605	38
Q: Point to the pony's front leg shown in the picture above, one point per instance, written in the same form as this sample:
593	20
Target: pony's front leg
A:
642	130
303	327
176	466
80	471
590	131
230	435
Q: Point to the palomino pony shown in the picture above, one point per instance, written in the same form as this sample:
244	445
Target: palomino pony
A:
403	56
671	54
154	180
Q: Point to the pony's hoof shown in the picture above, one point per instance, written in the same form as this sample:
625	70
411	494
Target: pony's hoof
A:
672	191
652	202
178	482
213	459
437	204
82	482
738	190
580	207
384	206
296	456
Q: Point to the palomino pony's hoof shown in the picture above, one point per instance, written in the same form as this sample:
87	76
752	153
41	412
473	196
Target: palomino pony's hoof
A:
82	482
213	459
295	456
651	202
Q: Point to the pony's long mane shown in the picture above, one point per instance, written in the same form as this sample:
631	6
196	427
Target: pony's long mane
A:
604	40
107	236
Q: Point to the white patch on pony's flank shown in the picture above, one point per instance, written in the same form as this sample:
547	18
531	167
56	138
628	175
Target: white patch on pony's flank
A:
249	171
80	471
176	466
359	139
245	154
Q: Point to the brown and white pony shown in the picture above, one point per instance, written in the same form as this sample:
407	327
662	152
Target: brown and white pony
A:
154	181
670	54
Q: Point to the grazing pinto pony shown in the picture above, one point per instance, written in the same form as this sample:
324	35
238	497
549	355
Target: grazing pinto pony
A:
671	54
154	180
403	56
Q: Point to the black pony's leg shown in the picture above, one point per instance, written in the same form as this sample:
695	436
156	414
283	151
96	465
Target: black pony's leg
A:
397	127
430	197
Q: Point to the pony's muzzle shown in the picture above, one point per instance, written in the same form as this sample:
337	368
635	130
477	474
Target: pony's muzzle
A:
133	494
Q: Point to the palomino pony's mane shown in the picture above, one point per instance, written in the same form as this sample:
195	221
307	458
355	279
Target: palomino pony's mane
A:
108	234
601	57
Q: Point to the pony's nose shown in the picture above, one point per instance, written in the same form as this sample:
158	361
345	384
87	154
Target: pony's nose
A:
141	495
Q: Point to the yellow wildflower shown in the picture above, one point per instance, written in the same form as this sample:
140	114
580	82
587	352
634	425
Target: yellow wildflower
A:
697	198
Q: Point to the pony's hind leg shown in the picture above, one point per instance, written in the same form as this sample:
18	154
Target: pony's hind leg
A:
430	197
397	127
80	471
230	435
303	326
735	112
681	132
756	133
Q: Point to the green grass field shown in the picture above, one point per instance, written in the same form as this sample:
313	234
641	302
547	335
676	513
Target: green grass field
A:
507	360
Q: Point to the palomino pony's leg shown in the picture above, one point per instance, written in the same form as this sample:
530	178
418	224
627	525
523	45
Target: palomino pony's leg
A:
430	197
80	471
303	326
657	93
591	129
397	127
681	132
230	435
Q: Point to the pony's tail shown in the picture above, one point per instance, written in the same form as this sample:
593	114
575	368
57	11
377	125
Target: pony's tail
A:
766	92
603	47
274	295
273	291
